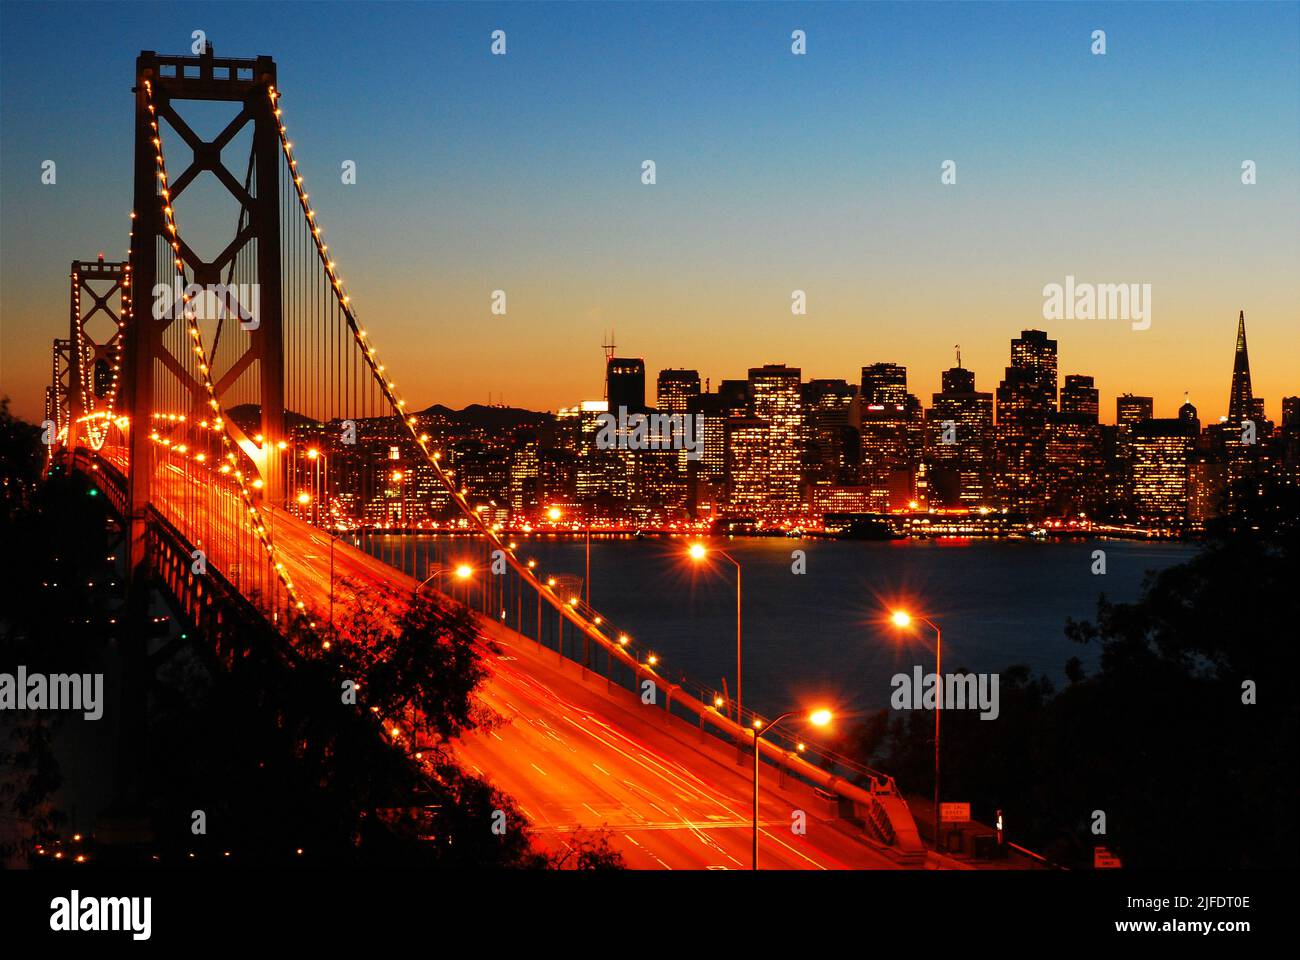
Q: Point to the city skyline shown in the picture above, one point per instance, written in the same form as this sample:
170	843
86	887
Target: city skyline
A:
895	265
1162	406
776	450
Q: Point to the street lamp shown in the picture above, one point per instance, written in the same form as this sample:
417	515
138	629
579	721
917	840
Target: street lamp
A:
322	471
397	477
554	514
902	619
817	718
462	571
697	552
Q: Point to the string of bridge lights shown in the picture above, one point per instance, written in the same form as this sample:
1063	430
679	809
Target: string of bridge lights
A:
95	419
389	389
219	420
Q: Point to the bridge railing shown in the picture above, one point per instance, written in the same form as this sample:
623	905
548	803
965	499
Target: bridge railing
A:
502	598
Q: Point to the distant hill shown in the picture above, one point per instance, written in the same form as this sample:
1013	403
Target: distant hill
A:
495	419
488	418
248	416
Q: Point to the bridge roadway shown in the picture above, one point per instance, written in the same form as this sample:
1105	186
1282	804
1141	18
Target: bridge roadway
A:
574	753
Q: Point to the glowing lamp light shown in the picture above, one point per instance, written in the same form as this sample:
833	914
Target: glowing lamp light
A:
313	453
697	551
901	618
464	571
819	718
304	498
554	514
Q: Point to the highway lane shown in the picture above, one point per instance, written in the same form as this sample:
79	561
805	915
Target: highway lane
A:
575	755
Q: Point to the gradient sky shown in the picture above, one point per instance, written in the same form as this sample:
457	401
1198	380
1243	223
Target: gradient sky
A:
775	172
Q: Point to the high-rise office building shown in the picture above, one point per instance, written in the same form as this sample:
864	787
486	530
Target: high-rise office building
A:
1076	466
1290	411
1247	433
959	441
775	389
625	384
1288	459
1036	354
675	388
1026	398
748	450
1162	458
524	469
1241	402
832	442
1131	410
711	412
892	434
1080	396
884	387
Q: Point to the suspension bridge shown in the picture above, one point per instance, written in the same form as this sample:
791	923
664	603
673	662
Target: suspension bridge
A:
216	404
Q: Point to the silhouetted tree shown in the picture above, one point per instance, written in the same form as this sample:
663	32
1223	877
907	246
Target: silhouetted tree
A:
1161	737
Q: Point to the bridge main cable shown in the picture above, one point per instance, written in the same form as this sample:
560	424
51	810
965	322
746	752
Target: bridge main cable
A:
230	447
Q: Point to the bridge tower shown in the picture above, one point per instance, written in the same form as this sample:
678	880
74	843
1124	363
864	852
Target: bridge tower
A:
251	368
94	357
59	392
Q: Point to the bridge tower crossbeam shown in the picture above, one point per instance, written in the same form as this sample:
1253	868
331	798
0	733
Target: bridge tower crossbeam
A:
256	244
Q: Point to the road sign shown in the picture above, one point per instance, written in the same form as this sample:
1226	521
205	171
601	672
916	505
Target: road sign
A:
954	812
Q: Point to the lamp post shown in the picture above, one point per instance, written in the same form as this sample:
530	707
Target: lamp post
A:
697	552
397	477
818	718
462	571
322	477
554	514
902	618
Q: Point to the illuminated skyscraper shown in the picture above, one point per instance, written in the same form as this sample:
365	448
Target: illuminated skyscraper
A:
1291	411
959	441
1080	397
1076	469
1131	410
1162	456
884	387
775	391
892	433
1241	404
748	445
1036	354
1026	398
675	388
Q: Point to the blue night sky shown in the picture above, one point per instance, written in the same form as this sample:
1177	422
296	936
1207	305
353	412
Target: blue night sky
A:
775	172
